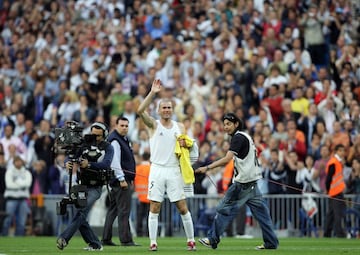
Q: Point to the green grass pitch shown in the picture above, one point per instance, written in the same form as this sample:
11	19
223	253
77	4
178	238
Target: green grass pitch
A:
177	245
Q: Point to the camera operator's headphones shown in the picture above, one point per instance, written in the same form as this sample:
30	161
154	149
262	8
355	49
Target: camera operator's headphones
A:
101	126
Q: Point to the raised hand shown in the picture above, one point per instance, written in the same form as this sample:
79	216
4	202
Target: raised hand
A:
156	86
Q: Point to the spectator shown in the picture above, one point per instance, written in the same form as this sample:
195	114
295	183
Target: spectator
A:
287	114
43	148
339	136
254	78
290	55
86	113
275	77
320	130
292	165
307	123
52	88
156	25
226	42
314	148
273	101
40	178
198	132
143	140
300	104
280	132
354	150
305	176
295	140
9	139
130	114
329	109
38	103
18	182
2	185
280	65
19	124
264	60
116	100
313	34
4	121
320	166
355	116
58	176
272	22
353	184
276	173
252	117
67	106
324	85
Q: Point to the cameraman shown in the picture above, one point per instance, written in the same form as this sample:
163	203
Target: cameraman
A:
93	162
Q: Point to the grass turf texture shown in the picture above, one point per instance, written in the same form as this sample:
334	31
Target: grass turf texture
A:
176	245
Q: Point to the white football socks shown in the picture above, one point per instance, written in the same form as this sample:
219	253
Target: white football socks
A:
153	223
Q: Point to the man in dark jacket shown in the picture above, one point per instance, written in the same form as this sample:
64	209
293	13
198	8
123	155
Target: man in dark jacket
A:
123	165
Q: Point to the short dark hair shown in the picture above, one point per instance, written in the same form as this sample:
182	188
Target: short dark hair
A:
146	155
121	117
234	119
339	146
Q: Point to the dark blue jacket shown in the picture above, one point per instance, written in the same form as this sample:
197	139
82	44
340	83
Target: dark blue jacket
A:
127	161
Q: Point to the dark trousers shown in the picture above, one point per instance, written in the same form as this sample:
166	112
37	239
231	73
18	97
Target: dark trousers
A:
335	217
142	214
120	205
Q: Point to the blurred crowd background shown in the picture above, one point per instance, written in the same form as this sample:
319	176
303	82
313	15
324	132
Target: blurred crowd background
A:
289	68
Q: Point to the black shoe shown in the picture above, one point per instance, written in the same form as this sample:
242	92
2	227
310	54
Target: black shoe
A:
130	244
108	243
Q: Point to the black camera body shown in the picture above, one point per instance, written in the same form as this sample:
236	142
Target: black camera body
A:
70	139
77	197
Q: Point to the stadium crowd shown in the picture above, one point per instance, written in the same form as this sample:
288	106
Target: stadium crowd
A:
289	68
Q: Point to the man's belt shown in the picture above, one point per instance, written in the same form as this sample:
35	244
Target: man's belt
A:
246	185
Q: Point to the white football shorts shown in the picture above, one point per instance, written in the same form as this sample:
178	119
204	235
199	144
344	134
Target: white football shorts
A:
165	180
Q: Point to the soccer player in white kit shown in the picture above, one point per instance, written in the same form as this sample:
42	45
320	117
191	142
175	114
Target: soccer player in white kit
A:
165	175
